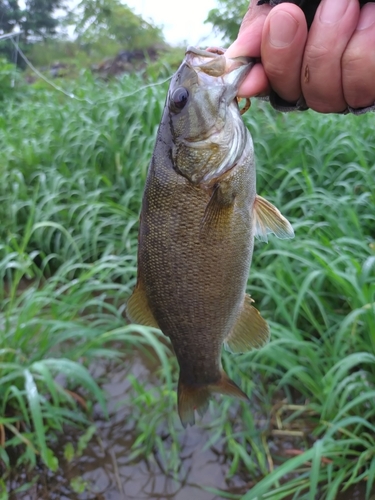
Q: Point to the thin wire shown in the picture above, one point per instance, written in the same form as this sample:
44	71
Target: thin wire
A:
10	35
73	96
68	94
136	91
13	81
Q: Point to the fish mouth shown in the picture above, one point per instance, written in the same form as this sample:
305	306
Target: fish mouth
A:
210	134
213	68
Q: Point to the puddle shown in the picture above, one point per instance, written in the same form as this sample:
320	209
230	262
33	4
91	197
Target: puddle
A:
356	492
107	472
105	468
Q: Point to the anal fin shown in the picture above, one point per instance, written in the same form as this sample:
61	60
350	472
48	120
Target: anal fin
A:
137	309
268	219
250	331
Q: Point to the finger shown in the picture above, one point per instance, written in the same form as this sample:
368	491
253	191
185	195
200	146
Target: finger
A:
283	43
250	34
248	44
358	64
330	32
255	84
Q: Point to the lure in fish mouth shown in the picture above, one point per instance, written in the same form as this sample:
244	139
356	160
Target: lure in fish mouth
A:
200	214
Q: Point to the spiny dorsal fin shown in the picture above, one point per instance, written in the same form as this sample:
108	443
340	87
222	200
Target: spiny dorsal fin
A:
137	308
268	219
250	331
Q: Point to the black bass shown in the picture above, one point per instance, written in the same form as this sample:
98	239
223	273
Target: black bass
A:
200	213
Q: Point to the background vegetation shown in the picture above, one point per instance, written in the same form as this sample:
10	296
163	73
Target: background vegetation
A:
72	173
75	34
226	18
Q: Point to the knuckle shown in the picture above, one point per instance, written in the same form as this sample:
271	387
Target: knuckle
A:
316	53
322	106
357	101
353	59
274	70
358	73
285	82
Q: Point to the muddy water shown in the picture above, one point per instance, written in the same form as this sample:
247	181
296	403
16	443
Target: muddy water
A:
105	468
105	471
357	492
115	478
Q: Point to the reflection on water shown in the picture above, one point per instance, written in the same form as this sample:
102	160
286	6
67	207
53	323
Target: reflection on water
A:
106	472
105	468
356	492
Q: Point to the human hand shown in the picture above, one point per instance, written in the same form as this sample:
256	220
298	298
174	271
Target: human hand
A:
332	65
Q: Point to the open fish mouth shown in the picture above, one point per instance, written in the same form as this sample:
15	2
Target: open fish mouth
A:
209	129
213	68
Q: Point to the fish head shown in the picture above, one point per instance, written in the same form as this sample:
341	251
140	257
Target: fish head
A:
207	130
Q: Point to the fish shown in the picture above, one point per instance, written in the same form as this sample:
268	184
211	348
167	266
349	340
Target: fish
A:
200	213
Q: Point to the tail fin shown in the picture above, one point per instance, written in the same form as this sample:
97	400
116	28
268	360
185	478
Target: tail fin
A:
197	397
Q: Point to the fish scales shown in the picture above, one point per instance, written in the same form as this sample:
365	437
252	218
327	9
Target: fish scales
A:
202	288
197	227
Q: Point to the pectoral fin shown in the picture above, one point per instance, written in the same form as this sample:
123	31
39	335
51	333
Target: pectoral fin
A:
268	219
137	309
217	211
251	331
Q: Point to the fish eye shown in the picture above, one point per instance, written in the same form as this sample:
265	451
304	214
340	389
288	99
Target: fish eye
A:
180	97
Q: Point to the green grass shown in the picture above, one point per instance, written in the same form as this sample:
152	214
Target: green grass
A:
72	176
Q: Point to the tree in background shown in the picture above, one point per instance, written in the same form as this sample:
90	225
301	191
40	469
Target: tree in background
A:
36	20
102	28
10	15
99	22
227	17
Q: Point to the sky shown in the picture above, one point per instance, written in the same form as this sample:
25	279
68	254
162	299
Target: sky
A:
182	20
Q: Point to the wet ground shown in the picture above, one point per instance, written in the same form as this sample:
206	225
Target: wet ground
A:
357	492
106	471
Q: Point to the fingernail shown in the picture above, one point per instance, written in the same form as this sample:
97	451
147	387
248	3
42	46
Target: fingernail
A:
283	29
367	16
333	10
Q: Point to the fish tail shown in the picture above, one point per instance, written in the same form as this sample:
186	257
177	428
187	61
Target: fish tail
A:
197	397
